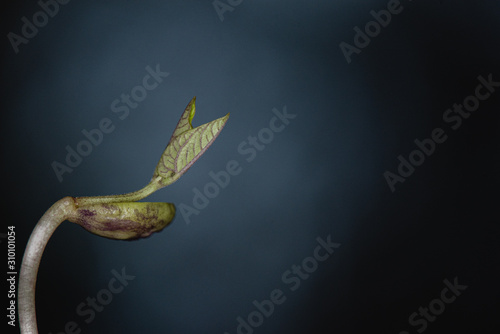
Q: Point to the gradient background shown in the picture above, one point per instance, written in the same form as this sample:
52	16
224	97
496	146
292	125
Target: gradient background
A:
322	175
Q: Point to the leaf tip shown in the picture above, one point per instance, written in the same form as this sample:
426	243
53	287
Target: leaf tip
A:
186	145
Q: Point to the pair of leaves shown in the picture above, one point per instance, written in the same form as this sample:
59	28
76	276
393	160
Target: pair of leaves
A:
186	145
121	216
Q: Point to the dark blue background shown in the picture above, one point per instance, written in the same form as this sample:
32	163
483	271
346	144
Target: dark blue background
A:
322	175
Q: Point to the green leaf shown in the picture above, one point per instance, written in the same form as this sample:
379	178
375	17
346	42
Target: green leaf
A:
186	145
184	123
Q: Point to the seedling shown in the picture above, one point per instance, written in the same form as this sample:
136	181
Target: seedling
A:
117	216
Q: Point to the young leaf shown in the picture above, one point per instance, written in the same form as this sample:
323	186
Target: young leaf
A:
184	123
186	145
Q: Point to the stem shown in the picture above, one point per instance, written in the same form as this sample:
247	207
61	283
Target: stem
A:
41	234
63	209
135	196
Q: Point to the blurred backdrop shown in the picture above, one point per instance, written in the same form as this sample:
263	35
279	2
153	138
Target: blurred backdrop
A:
363	197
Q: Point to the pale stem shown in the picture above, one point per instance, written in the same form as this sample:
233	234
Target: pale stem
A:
55	215
41	234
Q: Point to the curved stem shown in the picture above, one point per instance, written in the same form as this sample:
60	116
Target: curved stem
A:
63	209
135	196
41	234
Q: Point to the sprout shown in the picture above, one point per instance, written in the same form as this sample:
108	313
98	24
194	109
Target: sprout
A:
117	216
